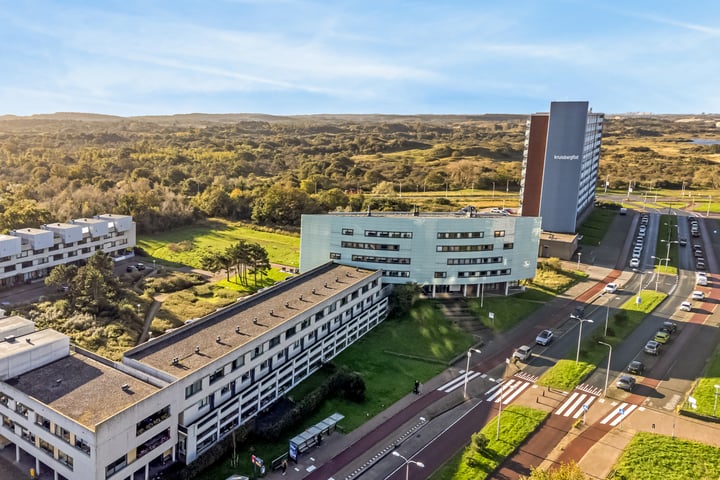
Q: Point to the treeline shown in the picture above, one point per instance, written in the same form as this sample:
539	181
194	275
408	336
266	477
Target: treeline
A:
170	171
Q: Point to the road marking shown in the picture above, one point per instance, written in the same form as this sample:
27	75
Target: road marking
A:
581	410
560	410
458	382
620	418
507	391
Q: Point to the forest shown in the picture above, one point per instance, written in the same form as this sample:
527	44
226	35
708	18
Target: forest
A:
173	170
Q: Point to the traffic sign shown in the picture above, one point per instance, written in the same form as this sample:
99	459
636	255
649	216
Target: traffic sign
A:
621	411
586	407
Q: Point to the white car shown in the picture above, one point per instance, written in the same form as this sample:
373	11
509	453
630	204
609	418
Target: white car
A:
634	263
611	288
544	337
686	306
698	295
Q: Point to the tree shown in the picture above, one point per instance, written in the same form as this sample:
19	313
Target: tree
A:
62	276
281	205
258	260
403	297
566	471
480	442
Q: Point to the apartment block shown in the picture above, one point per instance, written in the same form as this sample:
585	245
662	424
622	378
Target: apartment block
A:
80	416
465	253
560	165
30	253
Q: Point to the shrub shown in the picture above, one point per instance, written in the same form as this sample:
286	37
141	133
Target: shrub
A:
480	442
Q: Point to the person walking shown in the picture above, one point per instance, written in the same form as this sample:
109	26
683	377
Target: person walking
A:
284	466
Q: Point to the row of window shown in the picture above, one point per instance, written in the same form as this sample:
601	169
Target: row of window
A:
46	446
464	248
370	246
474	261
373	259
484	273
444	235
379	233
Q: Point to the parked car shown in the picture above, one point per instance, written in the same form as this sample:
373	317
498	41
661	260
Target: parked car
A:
544	337
698	295
634	263
626	382
611	287
523	353
662	336
652	347
636	366
671	327
682	242
130	268
140	266
686	306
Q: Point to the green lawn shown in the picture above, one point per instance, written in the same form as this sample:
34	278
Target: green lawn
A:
516	423
704	391
653	457
186	245
596	225
566	374
667	230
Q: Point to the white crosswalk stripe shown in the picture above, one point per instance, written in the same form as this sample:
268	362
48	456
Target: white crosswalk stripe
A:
615	417
527	376
506	391
458	382
591	389
574	405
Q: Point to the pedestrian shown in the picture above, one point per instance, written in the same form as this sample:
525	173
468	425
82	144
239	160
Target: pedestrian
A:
284	466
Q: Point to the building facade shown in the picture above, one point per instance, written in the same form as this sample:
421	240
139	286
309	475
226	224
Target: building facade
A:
464	253
560	165
171	399
30	253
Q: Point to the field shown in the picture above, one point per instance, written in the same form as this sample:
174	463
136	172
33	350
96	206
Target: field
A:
186	245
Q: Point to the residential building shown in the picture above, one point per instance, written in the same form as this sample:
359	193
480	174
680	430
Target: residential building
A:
67	411
30	253
464	253
560	165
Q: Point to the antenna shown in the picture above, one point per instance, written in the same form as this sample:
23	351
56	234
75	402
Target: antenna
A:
237	329
197	349
175	361
218	340
125	387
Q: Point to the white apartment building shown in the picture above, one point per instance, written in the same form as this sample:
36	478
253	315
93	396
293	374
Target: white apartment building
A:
464	253
172	398
30	253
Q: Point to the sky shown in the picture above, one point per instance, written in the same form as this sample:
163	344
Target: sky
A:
294	57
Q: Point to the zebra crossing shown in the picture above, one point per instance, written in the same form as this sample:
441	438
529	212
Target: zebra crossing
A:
459	381
591	389
576	404
619	414
506	391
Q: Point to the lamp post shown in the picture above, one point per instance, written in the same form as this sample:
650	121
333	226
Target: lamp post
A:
581	320
717	387
407	463
667	256
707	214
607	316
467	369
579	255
607	372
494	190
497	435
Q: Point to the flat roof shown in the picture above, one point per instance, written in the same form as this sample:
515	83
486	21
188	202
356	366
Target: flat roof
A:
325	281
14	322
558	237
459	214
61	226
30	341
31	231
82	389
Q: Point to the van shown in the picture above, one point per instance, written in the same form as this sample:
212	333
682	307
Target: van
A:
701	281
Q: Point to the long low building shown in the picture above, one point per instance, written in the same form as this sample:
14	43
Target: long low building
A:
466	253
80	416
30	253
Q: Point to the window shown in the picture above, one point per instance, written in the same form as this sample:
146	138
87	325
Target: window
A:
370	246
347	231
290	332
463	248
115	466
373	259
275	341
440	274
306	323
204	402
257	352
443	235
508	246
191	390
395	273
382	234
66	459
473	261
238	362
335	256
217	375
499	233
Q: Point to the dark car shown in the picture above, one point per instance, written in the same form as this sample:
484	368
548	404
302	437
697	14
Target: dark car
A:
579	311
140	266
669	327
636	366
129	268
683	242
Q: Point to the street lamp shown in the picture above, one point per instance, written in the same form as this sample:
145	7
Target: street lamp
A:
581	320
707	214
407	463
607	372
579	255
667	256
502	380
717	387
467	369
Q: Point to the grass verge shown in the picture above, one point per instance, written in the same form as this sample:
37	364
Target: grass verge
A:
672	459
667	232
704	391
565	374
596	225
516	423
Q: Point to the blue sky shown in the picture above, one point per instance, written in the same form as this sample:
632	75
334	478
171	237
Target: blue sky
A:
132	57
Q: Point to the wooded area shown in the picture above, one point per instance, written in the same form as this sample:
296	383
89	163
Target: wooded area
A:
170	171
